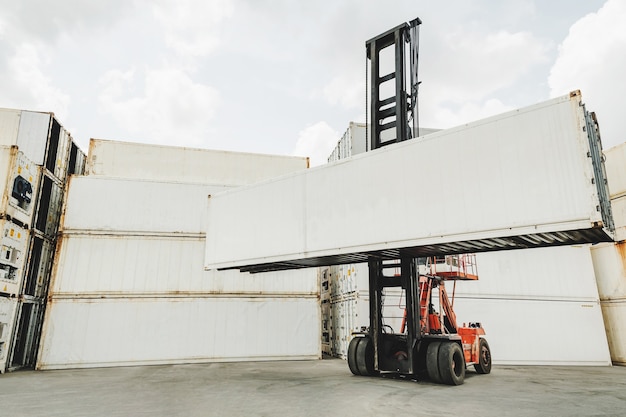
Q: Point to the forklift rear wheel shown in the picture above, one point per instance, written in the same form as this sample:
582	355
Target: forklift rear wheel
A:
484	358
432	362
352	348
451	363
365	357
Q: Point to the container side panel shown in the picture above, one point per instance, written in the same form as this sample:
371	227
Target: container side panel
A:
8	310
614	319
141	161
107	204
32	136
134	265
87	333
616	170
609	262
483	182
9	126
516	339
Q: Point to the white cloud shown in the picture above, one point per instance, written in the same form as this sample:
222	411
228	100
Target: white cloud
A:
592	59
317	142
171	109
473	66
442	117
31	87
192	27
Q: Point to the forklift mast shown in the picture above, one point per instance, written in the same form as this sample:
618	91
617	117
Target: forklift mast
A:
393	88
429	342
393	94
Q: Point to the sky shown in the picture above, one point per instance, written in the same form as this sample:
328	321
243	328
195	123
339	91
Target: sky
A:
286	77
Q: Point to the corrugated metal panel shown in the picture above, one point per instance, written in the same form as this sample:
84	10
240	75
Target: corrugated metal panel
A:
479	187
9	126
19	182
141	161
616	170
127	266
557	274
32	138
534	332
618	207
109	204
13	254
614	319
92	333
524	299
609	261
8	309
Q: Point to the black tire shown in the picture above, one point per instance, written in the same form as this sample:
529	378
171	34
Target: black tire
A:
451	363
365	357
432	362
484	358
352	347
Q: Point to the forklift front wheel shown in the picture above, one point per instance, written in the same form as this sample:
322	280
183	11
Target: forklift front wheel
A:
484	358
451	363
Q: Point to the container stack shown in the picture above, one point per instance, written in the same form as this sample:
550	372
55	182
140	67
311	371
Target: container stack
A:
129	284
609	259
36	157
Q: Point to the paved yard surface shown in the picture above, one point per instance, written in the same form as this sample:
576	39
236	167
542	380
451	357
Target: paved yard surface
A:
309	388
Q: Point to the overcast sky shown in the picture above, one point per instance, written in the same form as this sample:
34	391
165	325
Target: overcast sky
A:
287	76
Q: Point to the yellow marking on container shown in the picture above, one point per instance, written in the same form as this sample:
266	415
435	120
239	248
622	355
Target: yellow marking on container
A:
11	232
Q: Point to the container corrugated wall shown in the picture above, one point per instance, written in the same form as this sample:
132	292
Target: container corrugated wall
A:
534	305
185	165
609	260
129	285
35	153
8	309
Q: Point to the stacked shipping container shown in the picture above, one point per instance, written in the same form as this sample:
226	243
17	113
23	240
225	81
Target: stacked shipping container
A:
609	259
36	156
129	285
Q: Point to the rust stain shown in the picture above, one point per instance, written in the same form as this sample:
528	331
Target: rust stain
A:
621	248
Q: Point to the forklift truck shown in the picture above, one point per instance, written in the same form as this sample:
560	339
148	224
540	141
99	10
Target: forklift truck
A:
430	342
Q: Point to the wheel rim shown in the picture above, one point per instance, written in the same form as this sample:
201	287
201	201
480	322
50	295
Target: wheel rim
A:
485	357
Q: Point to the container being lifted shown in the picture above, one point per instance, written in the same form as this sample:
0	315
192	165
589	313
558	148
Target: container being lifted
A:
531	177
528	178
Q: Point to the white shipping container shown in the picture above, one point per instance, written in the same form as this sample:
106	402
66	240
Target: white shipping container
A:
556	285
485	187
19	182
614	318
146	265
83	333
136	206
618	207
186	165
616	170
8	309
13	254
28	130
537	332
609	261
564	273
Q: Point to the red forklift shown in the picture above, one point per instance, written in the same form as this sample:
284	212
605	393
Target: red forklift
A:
430	343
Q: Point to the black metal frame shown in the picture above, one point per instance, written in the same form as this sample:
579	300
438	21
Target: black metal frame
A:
402	107
394	352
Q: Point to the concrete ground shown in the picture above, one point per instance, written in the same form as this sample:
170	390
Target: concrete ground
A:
309	388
